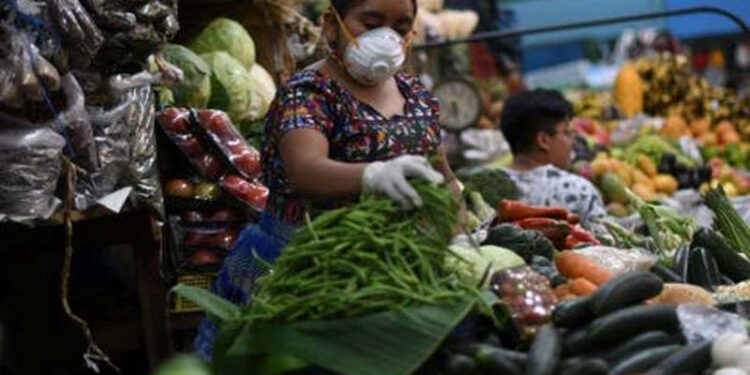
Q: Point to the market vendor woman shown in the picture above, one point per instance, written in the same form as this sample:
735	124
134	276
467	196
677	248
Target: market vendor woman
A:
349	124
535	124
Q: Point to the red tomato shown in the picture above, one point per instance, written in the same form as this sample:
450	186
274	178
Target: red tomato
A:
224	216
191	146
217	122
224	239
175	120
204	258
257	195
179	188
234	184
249	163
211	166
195	238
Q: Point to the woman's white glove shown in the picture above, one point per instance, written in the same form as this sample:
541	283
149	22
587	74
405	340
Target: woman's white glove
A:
390	178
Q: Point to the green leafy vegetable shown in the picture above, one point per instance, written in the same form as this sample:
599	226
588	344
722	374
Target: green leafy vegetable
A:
225	35
195	88
493	184
475	262
264	91
232	87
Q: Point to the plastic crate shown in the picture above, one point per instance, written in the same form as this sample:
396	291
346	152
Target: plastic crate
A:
182	305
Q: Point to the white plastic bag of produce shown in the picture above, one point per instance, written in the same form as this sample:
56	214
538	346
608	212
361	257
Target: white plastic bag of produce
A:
619	261
700	323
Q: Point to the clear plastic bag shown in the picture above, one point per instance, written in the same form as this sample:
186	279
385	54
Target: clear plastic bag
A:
700	323
528	295
142	171
29	170
619	261
81	36
74	122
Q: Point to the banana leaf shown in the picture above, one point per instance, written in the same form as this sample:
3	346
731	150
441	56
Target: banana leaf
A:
214	305
394	342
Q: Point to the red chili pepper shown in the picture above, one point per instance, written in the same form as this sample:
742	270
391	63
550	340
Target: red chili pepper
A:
578	236
515	210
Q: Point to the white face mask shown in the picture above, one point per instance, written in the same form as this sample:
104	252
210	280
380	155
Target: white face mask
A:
375	56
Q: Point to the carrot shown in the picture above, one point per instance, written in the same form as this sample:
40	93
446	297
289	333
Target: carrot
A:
582	287
515	210
573	266
562	290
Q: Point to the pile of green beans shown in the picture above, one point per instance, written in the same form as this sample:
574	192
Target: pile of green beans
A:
365	258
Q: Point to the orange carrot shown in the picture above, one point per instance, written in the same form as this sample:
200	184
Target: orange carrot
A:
573	266
562	290
582	287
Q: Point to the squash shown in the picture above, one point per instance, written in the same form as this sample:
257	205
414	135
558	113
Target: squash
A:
629	90
700	126
666	184
674	127
647	165
645	191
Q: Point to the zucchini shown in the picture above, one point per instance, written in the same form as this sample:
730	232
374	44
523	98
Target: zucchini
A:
702	269
573	313
632	321
625	290
641	362
498	361
544	353
729	261
576	343
519	359
666	274
588	367
637	344
460	364
692	359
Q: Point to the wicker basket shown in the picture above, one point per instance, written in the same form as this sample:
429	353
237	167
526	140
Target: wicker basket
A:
182	305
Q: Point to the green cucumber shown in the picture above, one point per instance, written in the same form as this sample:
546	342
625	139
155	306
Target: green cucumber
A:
576	343
497	361
544	353
703	270
625	290
632	321
573	313
692	359
666	274
460	364
587	367
729	261
641	362
636	344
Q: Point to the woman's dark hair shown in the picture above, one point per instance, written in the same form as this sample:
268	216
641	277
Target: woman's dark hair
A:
344	6
529	112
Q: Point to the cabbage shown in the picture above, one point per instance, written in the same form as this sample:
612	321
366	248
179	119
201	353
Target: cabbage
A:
231	86
264	90
477	260
195	89
223	34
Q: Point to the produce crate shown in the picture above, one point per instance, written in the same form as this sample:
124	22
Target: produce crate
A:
182	305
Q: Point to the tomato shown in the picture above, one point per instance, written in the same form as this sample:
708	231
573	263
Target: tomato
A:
248	164
192	217
191	146
224	239
195	238
211	166
224	216
179	188
175	120
207	191
234	184
218	123
257	195
204	258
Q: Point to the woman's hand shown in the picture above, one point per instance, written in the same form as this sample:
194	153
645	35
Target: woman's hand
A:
390	178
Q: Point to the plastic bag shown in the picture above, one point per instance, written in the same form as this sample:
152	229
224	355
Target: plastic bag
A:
619	261
29	170
483	145
81	36
142	172
528	295
111	138
700	323
74	122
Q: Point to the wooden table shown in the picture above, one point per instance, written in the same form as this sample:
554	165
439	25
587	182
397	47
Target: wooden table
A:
45	243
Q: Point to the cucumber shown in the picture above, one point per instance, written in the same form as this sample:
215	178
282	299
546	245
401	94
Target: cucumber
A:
729	261
643	361
632	321
544	353
625	290
573	313
703	270
460	364
692	359
636	344
666	274
497	361
576	343
587	367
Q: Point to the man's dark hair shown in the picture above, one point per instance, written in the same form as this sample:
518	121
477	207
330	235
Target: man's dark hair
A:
527	113
344	6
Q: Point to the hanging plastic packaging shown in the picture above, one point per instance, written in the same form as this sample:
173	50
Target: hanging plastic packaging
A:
700	323
81	36
74	123
29	170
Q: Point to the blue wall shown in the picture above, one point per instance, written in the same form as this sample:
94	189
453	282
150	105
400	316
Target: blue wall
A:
706	24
